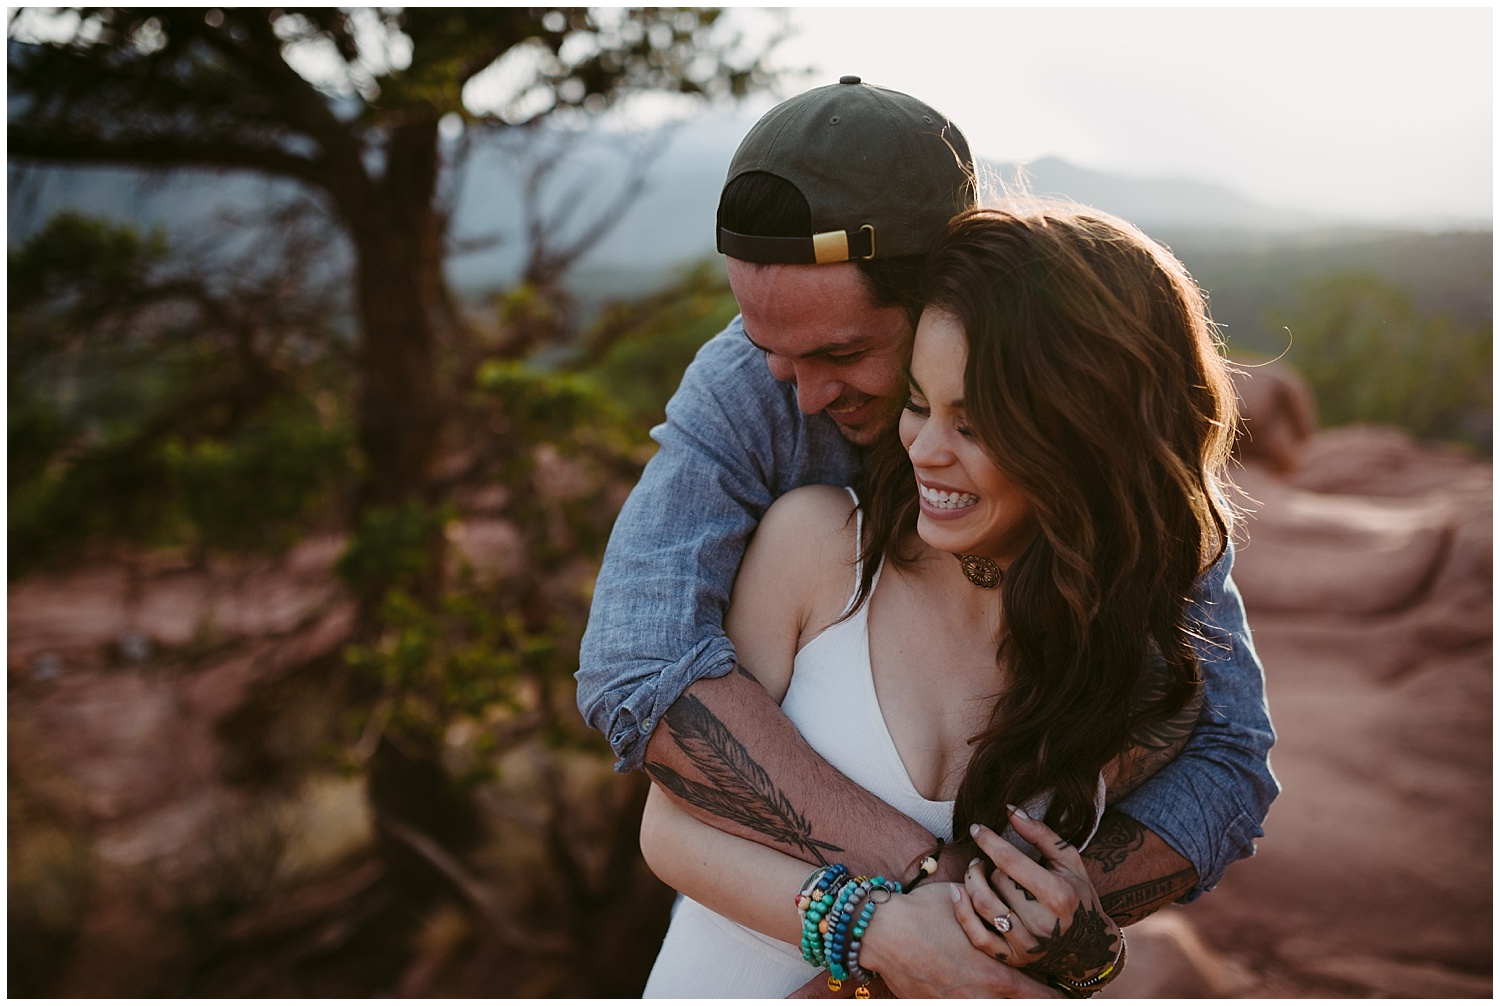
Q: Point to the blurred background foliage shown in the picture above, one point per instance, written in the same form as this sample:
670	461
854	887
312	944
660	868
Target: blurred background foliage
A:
264	386
1371	356
237	396
1391	328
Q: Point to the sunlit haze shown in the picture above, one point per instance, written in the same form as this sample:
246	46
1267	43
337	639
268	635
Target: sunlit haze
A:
1380	114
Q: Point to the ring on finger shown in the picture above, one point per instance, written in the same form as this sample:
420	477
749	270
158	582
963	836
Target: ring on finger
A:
1003	923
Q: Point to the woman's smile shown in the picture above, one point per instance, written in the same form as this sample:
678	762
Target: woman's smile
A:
947	503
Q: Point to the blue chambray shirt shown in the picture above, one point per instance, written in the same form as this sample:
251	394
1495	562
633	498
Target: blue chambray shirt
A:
733	441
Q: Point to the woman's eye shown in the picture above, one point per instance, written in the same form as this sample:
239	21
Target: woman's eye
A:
964	430
912	407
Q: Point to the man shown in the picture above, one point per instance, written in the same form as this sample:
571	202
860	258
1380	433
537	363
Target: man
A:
831	204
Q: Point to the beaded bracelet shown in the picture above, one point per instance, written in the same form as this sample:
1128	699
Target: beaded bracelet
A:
814	902
829	928
926	868
841	921
1087	987
838	959
877	886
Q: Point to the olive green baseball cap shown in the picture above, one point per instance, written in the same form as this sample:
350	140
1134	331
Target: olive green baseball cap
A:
882	172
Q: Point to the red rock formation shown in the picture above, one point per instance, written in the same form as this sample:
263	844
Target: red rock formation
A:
1366	571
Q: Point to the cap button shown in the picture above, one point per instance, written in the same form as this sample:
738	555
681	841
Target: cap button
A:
849	78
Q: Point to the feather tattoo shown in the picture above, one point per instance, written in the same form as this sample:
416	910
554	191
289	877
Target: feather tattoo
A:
736	788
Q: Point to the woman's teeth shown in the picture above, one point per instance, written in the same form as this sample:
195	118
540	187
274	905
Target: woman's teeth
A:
946	500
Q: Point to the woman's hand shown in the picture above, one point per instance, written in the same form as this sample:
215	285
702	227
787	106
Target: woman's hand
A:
1041	916
920	951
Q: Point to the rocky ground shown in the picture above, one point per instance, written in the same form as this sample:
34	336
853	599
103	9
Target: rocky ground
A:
142	815
1366	572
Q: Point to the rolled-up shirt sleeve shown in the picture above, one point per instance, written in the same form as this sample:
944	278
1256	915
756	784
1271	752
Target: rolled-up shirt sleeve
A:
733	441
1209	803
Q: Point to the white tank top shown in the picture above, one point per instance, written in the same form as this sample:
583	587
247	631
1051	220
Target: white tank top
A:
832	700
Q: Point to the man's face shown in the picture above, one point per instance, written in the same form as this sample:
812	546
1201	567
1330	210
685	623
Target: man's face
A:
818	329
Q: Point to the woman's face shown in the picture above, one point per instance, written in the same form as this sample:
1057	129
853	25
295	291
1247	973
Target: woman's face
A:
968	506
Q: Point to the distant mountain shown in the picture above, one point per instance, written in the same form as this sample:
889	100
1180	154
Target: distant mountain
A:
1153	204
669	224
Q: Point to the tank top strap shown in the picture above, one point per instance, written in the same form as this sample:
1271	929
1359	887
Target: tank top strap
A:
859	540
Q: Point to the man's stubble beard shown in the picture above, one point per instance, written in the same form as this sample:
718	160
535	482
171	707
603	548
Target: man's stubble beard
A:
871	433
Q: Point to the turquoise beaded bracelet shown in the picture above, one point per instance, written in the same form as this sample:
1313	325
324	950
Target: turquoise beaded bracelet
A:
841	921
814	902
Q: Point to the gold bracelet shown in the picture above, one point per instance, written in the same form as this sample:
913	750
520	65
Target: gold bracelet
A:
1089	986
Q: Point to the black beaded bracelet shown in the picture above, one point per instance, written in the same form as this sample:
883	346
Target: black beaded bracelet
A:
1085	989
927	867
1070	991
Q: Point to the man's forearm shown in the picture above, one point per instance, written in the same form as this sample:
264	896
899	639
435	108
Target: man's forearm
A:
1134	871
727	753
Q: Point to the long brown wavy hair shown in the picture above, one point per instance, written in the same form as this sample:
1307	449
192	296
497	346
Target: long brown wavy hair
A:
1095	383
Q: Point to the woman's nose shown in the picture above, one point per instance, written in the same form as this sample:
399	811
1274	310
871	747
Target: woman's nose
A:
929	448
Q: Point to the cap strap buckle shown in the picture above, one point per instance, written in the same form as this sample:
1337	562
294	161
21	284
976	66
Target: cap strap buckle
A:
820	249
830	246
833	246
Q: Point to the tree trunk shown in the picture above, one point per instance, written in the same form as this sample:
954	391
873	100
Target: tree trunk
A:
396	235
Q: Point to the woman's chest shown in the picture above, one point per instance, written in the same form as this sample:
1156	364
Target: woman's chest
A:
937	681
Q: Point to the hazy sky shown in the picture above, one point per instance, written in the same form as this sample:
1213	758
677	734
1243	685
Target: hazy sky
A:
1382	113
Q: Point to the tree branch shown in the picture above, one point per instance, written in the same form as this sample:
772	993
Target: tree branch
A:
470	887
159	151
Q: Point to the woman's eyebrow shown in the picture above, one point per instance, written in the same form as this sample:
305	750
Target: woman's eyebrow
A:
957	403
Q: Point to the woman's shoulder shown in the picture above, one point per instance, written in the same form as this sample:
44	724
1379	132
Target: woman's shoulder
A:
818	519
797	575
807	544
816	504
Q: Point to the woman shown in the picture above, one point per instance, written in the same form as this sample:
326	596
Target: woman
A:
1068	421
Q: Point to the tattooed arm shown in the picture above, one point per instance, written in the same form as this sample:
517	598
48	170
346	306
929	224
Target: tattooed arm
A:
731	756
1153	744
726	750
914	942
1134	871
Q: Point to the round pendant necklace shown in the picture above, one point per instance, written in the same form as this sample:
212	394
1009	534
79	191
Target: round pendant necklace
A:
981	572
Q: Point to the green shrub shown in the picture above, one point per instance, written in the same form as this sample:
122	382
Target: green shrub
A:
651	342
152	405
1371	356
